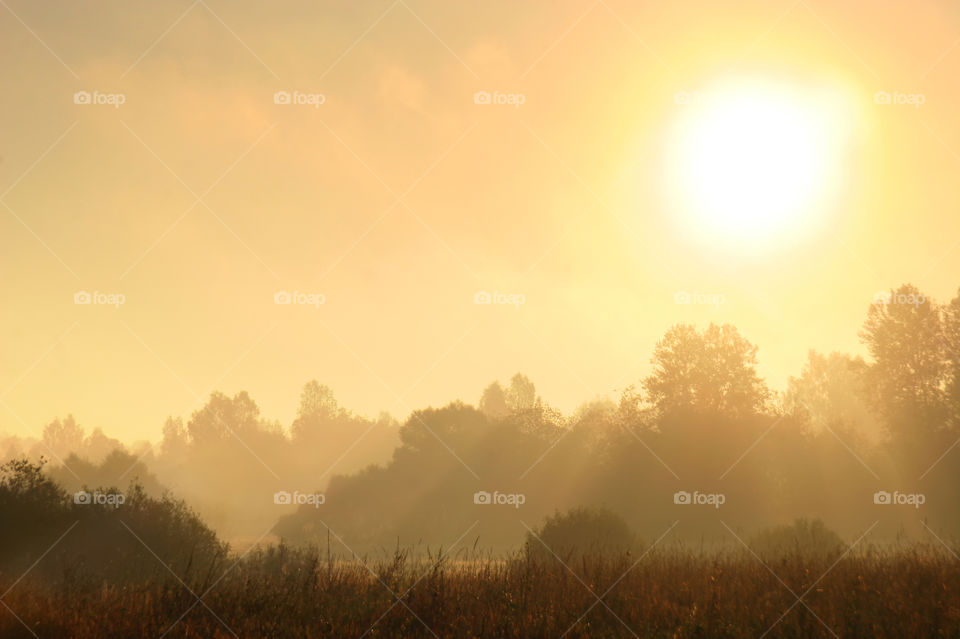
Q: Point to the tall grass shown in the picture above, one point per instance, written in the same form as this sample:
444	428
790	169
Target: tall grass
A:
668	592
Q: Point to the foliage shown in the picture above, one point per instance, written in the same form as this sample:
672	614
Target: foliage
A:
710	371
669	592
802	537
578	532
130	538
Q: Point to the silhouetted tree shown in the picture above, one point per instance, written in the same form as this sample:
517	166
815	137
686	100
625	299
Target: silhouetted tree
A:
493	402
175	439
63	437
116	466
951	336
831	392
522	394
903	334
100	542
711	372
318	407
223	415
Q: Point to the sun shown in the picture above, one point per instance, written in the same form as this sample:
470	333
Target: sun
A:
754	162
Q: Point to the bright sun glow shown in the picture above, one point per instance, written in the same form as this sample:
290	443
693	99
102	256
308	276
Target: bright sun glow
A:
751	162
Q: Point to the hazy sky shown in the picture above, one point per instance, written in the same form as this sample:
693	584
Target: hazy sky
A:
399	198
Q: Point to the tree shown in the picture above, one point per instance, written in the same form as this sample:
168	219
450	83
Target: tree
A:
951	336
223	417
438	431
903	333
175	442
63	437
713	371
522	394
318	407
97	445
830	392
101	548
493	402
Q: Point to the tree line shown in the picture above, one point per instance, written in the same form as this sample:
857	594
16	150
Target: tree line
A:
703	420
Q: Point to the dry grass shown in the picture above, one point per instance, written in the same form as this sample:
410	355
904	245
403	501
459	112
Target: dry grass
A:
668	593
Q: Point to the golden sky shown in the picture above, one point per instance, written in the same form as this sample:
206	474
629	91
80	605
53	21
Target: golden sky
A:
399	198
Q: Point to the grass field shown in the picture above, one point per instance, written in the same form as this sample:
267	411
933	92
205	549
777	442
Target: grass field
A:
669	592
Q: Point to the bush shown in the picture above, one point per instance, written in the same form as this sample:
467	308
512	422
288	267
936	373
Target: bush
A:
580	532
142	537
802	537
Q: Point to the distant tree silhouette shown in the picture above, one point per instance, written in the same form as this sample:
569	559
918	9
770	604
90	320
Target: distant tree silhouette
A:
951	336
317	408
711	372
904	335
522	394
493	402
97	445
702	407
176	440
437	431
831	392
63	437
223	414
117	465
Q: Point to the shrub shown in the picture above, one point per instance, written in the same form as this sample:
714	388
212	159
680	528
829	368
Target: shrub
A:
580	532
802	537
142	537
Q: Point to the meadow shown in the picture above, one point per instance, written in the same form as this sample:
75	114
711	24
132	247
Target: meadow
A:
672	592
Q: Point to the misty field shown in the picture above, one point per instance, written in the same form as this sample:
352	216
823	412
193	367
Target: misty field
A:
670	592
479	320
608	522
